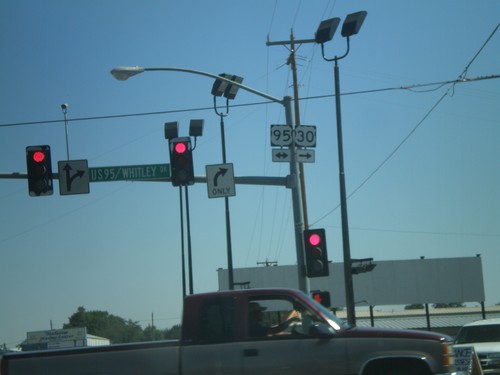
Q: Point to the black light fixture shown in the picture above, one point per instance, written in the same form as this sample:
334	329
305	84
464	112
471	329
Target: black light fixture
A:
196	128
326	30
171	130
219	85
222	87
353	23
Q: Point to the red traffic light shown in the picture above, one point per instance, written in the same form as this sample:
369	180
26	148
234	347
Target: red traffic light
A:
38	156
181	161
316	258
322	297
39	170
180	147
317	297
314	239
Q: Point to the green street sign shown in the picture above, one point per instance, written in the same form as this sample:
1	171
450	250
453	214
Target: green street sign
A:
129	172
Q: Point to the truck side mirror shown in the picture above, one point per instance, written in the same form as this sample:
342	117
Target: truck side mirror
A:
320	330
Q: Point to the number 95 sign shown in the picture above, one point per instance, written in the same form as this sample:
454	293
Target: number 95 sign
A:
284	135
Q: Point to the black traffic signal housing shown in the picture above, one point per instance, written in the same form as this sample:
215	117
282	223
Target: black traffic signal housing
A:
181	161
316	255
39	167
322	297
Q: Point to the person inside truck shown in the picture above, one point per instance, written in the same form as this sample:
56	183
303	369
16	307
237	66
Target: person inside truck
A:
257	328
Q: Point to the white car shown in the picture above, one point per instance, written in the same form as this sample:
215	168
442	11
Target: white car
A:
484	336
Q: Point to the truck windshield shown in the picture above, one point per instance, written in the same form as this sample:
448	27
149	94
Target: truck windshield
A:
335	322
483	333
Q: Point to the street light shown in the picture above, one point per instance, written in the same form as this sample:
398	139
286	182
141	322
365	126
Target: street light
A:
229	91
325	33
122	73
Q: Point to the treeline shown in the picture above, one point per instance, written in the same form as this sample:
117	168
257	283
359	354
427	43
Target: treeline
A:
117	329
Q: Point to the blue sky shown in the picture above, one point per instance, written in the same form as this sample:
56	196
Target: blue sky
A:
118	248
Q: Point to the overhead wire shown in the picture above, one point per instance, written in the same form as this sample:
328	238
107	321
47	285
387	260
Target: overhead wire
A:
410	88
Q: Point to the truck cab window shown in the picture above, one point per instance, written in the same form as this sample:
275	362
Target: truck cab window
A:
217	320
278	317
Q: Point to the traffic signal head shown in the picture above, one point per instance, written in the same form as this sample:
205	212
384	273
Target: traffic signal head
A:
181	161
322	297
39	168
316	256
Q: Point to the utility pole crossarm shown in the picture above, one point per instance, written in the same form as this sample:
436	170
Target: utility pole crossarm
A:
287	42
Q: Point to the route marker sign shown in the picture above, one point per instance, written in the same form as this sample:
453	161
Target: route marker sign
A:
73	177
302	136
305	136
220	180
129	172
281	135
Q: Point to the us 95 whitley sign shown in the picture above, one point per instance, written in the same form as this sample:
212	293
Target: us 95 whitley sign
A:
129	172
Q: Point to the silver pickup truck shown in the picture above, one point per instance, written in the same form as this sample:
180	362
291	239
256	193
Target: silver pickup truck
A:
254	331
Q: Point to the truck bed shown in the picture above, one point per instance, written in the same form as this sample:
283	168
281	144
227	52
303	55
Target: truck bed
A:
152	358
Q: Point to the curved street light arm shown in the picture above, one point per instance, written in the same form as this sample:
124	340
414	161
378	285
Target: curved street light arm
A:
336	58
122	73
221	114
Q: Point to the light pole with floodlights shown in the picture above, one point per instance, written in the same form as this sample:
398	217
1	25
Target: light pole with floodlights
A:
122	73
325	33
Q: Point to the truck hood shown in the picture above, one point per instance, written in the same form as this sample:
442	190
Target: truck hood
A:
392	333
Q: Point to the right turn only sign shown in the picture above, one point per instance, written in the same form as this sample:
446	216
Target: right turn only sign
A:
220	180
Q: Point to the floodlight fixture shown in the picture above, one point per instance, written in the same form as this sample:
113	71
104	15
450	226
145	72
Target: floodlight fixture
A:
221	87
196	128
171	130
232	90
326	30
353	23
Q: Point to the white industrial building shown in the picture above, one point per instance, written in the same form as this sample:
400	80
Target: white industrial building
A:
61	338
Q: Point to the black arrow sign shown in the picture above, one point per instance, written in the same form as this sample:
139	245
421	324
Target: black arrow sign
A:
307	155
282	155
69	179
221	172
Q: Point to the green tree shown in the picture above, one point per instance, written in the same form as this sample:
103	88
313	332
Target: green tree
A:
104	324
151	333
173	332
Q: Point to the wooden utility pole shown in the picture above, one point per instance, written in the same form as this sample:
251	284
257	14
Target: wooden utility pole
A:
293	66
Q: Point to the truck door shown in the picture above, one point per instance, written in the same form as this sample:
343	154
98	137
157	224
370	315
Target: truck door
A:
281	344
213	350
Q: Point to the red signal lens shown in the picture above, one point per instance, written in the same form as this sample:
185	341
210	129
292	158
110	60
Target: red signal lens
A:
180	148
317	297
314	239
38	156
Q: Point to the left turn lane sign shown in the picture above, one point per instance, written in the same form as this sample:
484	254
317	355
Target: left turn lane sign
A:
73	177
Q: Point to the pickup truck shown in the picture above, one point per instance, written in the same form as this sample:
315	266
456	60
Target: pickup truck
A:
253	331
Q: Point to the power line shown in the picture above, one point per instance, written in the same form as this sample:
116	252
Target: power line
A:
317	97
